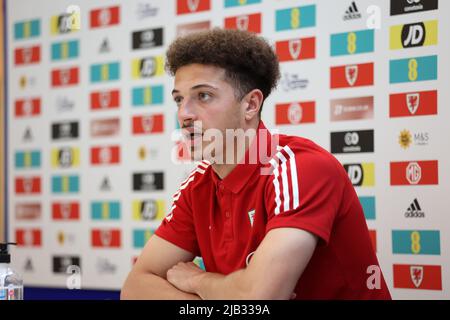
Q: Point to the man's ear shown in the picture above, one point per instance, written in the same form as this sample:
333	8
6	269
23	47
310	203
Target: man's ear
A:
253	101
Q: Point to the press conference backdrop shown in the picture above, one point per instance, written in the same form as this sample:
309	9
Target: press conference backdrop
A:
92	128
2	124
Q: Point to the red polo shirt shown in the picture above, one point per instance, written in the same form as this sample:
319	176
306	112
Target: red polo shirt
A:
224	221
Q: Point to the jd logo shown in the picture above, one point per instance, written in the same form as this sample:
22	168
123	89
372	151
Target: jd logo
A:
413	35
355	174
148	67
65	23
74	13
148	209
65	157
71	20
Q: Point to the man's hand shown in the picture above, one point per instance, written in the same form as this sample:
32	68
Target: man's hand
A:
183	274
286	250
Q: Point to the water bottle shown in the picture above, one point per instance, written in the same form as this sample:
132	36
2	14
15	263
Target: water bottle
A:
11	284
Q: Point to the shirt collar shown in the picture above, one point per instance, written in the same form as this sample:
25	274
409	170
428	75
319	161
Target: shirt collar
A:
255	157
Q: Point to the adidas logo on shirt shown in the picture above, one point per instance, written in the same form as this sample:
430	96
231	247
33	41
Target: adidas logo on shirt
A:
414	210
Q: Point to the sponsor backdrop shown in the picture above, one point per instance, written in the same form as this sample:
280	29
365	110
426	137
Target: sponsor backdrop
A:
94	156
2	124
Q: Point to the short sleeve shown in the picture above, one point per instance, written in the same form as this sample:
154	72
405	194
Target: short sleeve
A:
304	191
178	226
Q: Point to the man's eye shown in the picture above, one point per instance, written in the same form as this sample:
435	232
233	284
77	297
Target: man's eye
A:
177	100
204	96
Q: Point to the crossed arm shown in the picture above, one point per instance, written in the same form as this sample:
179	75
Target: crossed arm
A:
165	271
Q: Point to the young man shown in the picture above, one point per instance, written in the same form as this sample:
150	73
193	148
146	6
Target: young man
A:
288	225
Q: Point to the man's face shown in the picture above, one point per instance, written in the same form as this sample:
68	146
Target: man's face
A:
203	96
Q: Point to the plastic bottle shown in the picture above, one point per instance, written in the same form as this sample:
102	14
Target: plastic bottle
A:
11	284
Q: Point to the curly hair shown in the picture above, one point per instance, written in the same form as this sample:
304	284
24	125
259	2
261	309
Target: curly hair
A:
248	60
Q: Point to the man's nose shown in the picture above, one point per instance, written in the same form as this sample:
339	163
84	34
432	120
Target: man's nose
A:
186	112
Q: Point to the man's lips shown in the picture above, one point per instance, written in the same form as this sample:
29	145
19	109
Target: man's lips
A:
191	133
193	136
